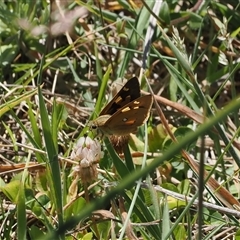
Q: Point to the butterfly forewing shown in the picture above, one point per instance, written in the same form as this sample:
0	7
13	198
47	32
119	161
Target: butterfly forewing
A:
129	92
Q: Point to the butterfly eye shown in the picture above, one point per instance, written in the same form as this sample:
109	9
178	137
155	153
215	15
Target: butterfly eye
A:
93	127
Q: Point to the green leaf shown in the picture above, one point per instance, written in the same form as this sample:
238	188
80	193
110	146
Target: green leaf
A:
195	20
21	214
135	143
180	232
87	236
8	53
184	187
104	229
35	232
165	13
157	136
179	134
77	206
11	190
165	220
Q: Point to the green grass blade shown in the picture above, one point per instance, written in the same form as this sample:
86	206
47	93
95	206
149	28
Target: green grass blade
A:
52	153
21	213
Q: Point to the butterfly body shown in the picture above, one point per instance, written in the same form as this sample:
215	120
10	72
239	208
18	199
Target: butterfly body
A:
125	112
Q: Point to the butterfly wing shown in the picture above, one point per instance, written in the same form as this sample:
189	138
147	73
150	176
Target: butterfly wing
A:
129	92
128	118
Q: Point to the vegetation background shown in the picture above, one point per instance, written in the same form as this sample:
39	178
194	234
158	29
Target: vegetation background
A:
179	177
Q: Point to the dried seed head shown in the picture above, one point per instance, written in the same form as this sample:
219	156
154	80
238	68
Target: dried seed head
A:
119	142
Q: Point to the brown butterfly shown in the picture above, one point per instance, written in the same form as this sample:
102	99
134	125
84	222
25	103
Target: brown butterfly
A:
125	112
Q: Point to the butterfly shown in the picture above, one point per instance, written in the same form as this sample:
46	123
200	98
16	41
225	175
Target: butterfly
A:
125	112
